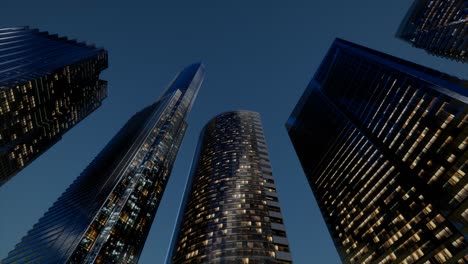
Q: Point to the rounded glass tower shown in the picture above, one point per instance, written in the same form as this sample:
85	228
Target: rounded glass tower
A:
230	212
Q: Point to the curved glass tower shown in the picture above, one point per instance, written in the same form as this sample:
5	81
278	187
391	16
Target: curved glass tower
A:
230	212
47	85
106	214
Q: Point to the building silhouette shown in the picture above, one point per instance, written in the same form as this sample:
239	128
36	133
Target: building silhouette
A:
437	26
382	142
106	214
230	212
47	85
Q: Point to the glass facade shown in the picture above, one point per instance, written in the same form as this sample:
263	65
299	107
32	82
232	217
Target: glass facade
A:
106	214
47	85
382	142
438	26
230	212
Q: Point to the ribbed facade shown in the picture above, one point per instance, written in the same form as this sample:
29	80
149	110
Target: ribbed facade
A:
106	214
230	212
47	85
438	26
382	142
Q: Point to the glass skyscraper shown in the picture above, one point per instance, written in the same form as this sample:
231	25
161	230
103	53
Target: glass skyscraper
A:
382	142
47	85
230	212
438	26
106	214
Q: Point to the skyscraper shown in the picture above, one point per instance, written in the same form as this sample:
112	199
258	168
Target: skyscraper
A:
382	142
437	26
106	214
47	85
230	212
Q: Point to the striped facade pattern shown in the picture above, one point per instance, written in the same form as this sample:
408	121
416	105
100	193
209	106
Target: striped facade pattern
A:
438	26
47	85
106	214
387	163
231	212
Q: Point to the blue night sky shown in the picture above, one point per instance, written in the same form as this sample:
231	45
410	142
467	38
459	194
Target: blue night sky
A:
259	55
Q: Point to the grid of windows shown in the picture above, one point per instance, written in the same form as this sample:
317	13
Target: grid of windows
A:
388	162
231	212
47	85
438	26
106	214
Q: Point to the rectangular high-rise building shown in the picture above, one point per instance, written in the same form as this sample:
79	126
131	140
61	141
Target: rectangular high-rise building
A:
231	212
382	142
47	85
106	214
438	26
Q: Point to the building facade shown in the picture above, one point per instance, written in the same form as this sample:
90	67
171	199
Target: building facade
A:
106	214
230	212
47	85
437	26
382	142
